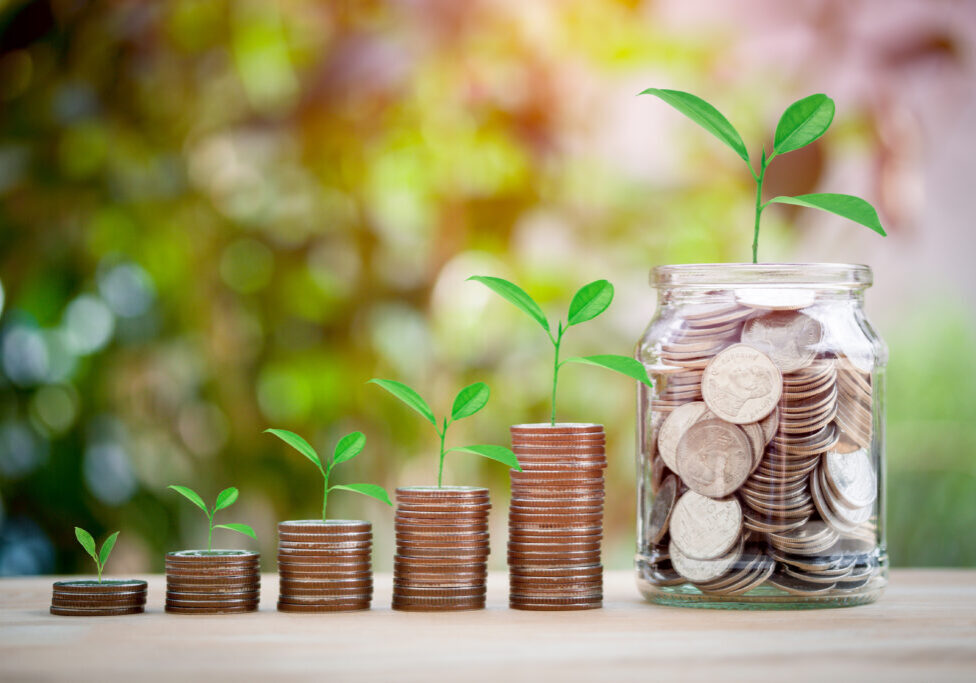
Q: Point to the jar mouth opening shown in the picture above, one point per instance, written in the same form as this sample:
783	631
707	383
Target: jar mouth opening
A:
713	275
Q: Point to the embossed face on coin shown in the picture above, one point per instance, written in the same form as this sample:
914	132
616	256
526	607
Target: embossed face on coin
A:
714	458
789	339
741	384
674	428
703	528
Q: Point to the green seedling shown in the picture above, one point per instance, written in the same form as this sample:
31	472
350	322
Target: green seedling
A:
589	302
469	401
348	448
803	122
225	499
88	543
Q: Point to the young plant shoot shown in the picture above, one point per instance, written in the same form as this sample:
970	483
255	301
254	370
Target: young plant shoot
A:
88	543
469	401
348	448
803	122
225	499
589	302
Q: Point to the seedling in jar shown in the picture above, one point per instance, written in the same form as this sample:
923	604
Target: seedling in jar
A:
225	499
802	123
88	543
589	302
347	448
469	401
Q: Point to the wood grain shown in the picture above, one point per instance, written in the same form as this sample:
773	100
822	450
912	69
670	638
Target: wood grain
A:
923	629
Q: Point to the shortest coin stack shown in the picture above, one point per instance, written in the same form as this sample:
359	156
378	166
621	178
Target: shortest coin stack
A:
212	581
325	566
442	549
555	521
98	598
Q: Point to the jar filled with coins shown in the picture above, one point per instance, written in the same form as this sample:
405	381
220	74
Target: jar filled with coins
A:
761	445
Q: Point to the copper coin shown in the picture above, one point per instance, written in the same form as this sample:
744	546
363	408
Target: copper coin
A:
81	603
558	428
435	564
457	493
350	606
314	540
213	590
331	527
213	556
534	605
96	612
173	609
106	586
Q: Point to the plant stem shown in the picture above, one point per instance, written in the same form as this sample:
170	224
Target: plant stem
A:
210	534
325	497
555	372
98	566
440	464
763	165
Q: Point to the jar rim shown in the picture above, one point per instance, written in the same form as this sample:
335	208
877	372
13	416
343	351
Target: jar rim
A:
712	275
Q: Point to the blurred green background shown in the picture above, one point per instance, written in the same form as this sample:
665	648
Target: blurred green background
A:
221	216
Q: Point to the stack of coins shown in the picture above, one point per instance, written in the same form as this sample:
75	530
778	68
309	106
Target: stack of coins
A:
212	581
98	598
442	549
325	566
762	470
555	521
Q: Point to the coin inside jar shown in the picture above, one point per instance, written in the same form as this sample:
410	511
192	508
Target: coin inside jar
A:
703	528
714	458
789	339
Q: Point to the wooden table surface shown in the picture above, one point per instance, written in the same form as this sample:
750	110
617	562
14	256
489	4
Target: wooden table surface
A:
923	629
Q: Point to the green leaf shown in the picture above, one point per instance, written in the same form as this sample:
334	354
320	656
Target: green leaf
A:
846	205
298	443
225	498
107	548
239	528
499	453
622	364
705	115
192	496
803	122
87	542
371	490
349	447
590	301
408	396
515	295
470	400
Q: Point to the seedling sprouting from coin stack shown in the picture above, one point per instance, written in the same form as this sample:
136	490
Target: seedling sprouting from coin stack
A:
326	565
98	598
442	531
213	581
556	515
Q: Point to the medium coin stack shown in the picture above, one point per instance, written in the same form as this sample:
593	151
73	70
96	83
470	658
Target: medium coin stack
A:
762	469
98	598
212	581
325	566
441	563
555	521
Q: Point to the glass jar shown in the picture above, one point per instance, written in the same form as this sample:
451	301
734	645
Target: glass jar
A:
761	445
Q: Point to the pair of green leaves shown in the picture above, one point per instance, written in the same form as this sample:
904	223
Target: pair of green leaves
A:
590	301
468	401
347	448
803	122
225	499
101	556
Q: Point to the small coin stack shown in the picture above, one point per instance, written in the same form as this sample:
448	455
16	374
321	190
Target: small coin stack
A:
760	435
555	521
441	563
325	566
98	599
212	581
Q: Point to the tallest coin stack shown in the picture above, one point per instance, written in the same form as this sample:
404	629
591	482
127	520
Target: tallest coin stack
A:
556	517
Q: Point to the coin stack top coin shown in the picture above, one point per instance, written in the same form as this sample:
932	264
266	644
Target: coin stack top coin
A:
556	517
325	566
98	599
441	563
212	582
